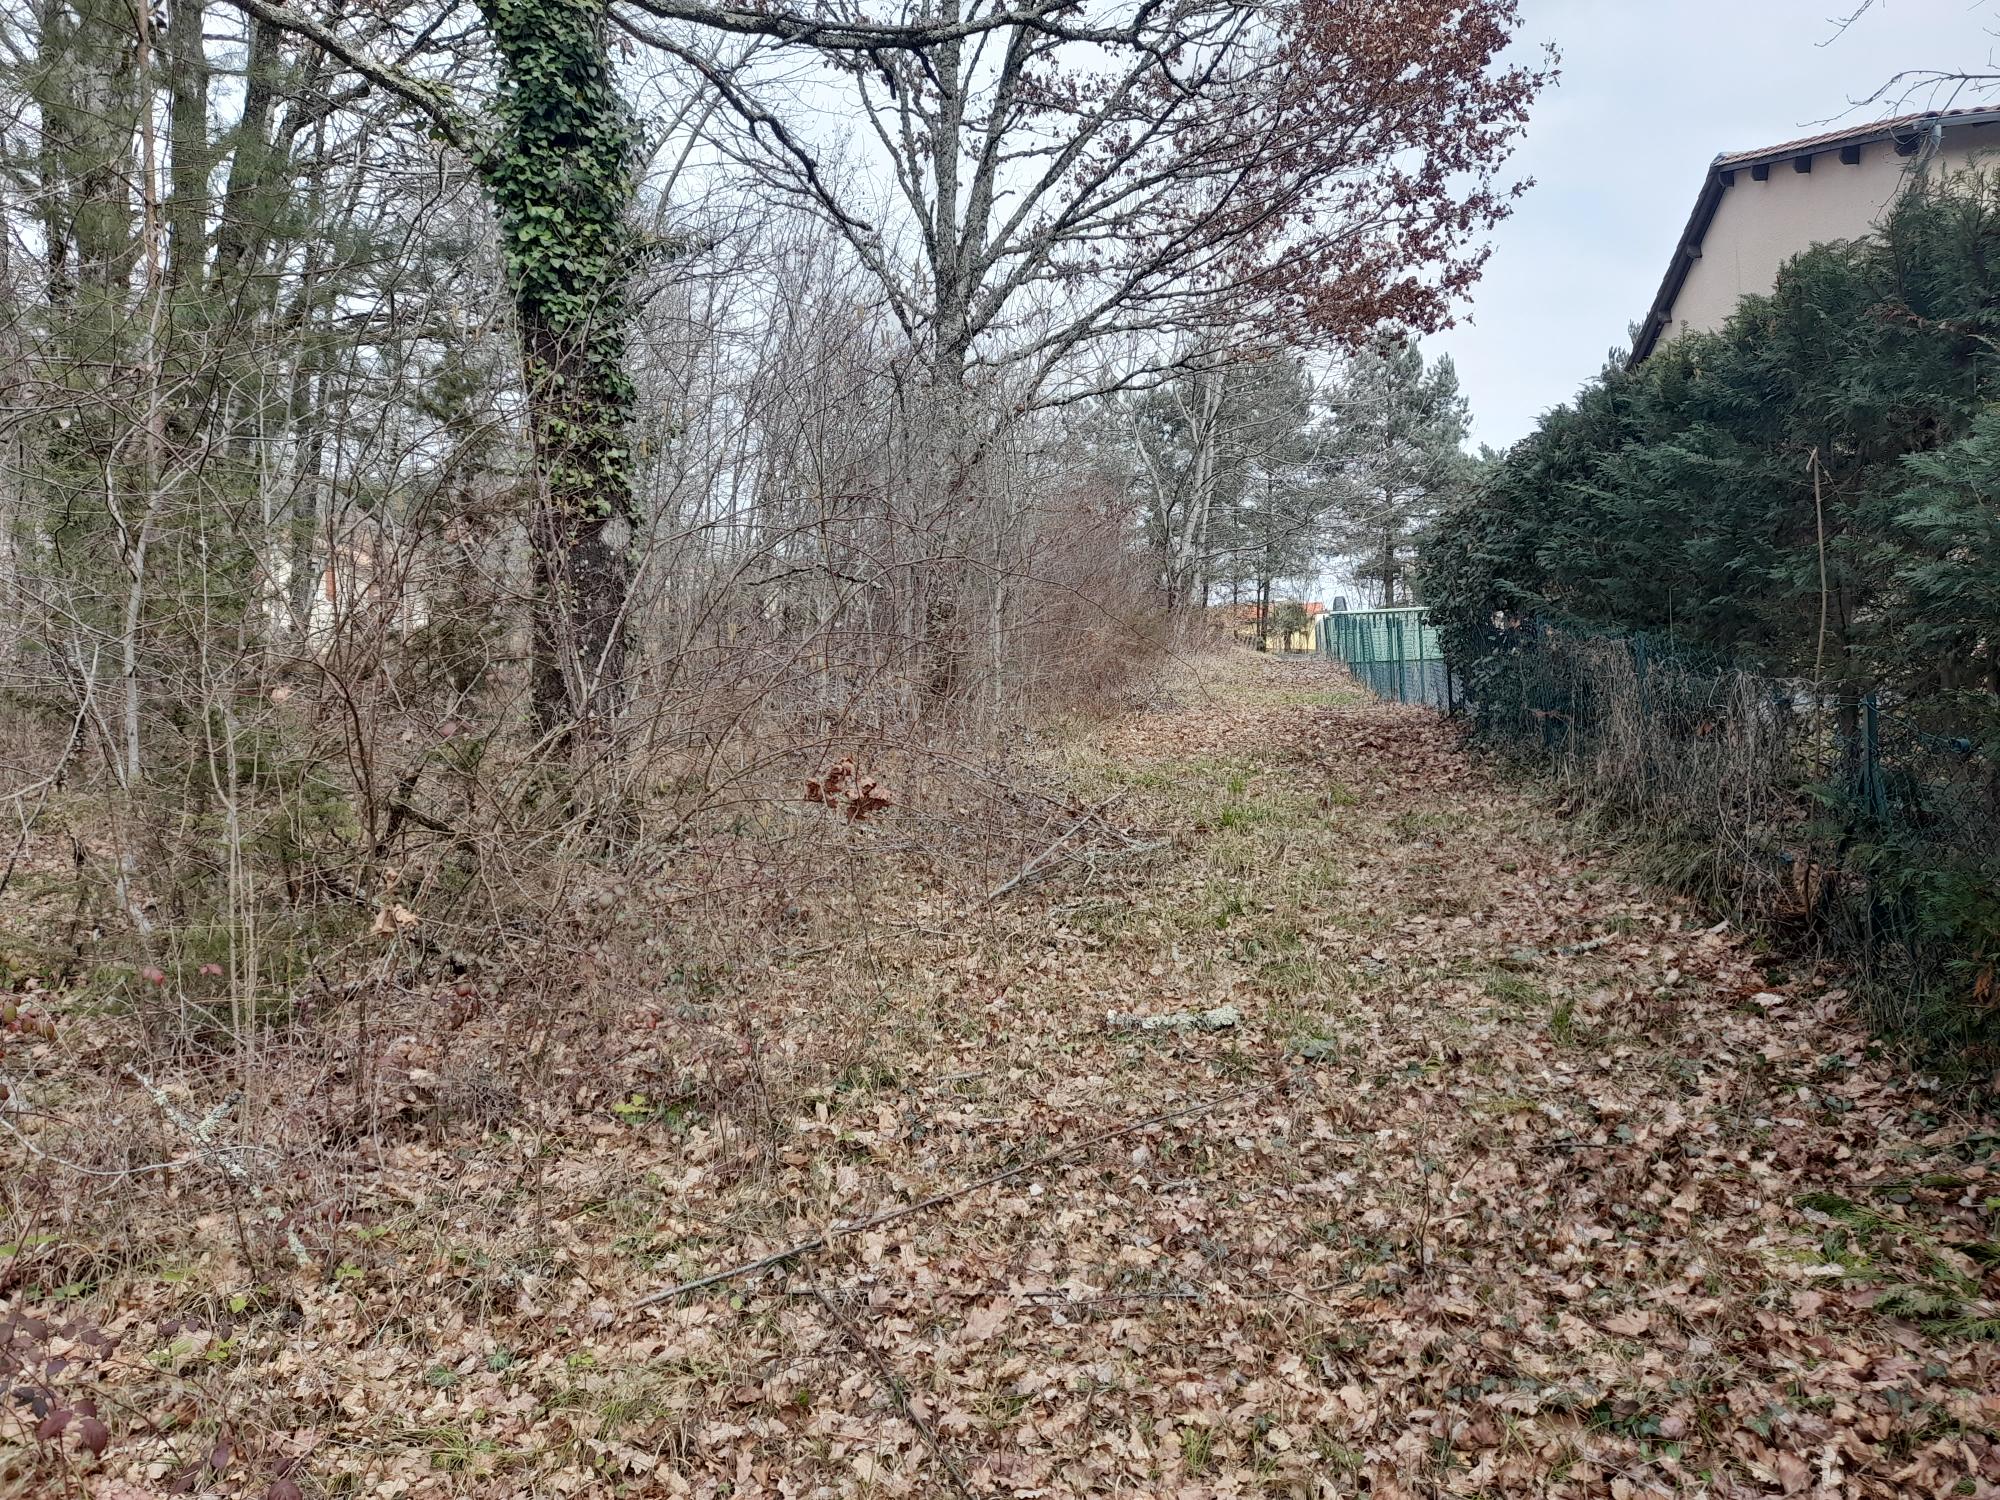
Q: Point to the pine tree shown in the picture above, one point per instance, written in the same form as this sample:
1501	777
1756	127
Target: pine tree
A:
1398	456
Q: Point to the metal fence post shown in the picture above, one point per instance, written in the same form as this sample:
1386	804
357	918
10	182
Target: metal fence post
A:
1874	797
1645	746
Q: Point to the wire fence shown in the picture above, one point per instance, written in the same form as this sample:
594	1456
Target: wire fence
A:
1394	653
1856	826
1868	831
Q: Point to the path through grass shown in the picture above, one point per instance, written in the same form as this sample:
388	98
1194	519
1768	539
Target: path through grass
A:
1518	1180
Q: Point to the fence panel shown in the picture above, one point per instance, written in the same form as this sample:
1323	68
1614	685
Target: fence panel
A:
1843	818
1394	653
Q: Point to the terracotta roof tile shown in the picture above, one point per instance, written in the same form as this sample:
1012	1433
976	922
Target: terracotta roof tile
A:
1866	130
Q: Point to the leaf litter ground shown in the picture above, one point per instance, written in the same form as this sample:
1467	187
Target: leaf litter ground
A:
1489	1172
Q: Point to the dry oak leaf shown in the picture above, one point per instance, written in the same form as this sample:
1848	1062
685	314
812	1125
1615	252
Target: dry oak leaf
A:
392	919
986	1321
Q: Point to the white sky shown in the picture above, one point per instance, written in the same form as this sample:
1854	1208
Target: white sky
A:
1651	91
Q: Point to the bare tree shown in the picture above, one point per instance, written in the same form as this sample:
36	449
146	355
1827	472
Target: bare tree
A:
553	145
1937	88
1068	221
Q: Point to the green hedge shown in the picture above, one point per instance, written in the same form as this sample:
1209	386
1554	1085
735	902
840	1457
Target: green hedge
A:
1809	498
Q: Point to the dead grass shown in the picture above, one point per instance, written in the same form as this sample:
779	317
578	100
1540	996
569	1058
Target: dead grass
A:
1476	1216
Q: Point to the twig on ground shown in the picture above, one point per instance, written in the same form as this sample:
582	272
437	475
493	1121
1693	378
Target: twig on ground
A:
77	1166
1035	866
859	1339
936	1200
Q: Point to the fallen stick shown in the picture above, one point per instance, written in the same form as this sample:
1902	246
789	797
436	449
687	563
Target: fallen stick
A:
897	1389
936	1200
1034	866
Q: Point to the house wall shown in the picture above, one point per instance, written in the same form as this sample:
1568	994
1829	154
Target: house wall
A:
1298	640
1245	633
1758	226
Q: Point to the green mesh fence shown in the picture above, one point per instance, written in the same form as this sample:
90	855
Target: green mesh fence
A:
1842	818
1394	653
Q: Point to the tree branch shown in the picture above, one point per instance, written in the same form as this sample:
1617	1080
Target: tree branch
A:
870	36
432	101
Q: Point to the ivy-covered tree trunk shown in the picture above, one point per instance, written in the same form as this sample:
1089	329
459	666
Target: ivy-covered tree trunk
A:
561	175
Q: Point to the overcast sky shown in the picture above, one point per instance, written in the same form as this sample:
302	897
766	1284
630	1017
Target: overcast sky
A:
1651	91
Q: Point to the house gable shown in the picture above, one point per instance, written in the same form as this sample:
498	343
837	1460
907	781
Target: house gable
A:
1757	209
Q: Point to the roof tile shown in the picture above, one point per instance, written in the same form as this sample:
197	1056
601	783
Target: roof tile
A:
1867	130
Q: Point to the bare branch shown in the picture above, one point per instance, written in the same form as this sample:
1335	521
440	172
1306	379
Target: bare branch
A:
431	100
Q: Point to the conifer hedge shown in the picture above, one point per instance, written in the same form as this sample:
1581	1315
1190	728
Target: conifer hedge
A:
1810	495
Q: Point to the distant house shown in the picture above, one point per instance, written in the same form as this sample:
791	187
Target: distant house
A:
1758	209
1244	622
365	580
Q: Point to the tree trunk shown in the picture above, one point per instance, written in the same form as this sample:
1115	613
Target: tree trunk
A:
258	176
189	154
947	527
1205	435
562	178
582	578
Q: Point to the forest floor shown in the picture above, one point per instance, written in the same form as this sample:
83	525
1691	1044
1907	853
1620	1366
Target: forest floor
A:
1474	1169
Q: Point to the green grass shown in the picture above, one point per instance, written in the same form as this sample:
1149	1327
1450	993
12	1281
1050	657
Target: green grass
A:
1197	1449
1517	992
1846	1211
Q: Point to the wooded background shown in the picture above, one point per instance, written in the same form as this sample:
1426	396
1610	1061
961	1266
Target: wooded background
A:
445	442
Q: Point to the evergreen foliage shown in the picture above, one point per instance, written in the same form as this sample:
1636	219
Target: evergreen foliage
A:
1399	455
1227	466
1811	496
1842	426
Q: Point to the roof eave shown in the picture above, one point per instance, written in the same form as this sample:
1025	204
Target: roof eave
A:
1872	133
1685	251
1712	189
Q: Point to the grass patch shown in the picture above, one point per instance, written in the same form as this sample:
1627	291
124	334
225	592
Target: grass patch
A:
1197	1449
1517	992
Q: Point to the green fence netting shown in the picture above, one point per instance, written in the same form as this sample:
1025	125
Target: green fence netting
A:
1394	653
1853	820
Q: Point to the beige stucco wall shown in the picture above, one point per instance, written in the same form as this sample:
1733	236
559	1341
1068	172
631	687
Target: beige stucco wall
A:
1758	226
